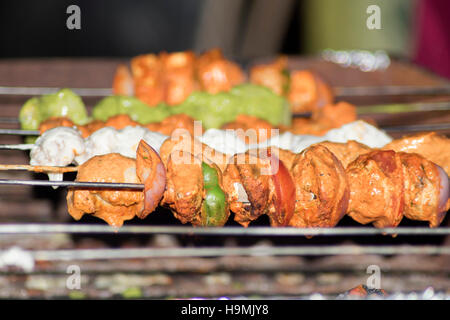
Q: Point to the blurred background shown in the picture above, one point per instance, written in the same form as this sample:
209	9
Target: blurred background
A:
416	30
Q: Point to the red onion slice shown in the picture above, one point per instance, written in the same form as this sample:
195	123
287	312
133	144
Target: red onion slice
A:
444	191
150	169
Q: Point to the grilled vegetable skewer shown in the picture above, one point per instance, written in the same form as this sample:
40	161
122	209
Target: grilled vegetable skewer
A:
372	186
310	189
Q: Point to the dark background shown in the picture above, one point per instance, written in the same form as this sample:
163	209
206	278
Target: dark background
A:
112	28
108	28
418	30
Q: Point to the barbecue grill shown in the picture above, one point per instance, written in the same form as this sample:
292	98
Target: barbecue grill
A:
44	254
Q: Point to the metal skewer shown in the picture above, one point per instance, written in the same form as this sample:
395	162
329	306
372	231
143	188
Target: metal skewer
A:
11	120
20	132
394	108
404	128
362	110
35	91
27	146
418	127
78	184
392	91
255	231
145	253
339	91
52	169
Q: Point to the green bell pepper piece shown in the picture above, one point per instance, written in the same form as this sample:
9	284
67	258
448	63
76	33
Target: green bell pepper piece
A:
215	209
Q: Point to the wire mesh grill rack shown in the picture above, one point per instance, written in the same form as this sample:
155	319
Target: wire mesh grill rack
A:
188	262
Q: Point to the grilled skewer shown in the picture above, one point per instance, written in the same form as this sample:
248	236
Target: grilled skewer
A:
76	184
260	198
361	110
53	169
400	128
34	91
299	201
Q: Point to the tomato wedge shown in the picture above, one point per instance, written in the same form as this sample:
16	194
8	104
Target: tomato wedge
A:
284	200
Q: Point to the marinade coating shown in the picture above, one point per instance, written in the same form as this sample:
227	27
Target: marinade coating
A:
322	191
113	206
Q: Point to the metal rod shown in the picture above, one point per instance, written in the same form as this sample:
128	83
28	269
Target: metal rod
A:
418	127
405	128
9	120
391	91
362	110
77	184
391	108
20	132
222	231
27	167
339	91
318	250
27	146
34	91
403	108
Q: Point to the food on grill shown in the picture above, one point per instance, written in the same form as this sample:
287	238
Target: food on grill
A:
312	190
322	190
219	142
261	129
215	209
283	199
153	80
121	121
431	146
214	110
364	291
272	75
194	191
372	189
187	143
305	90
184	190
208	88
226	164
123	81
385	185
131	106
376	189
245	174
57	147
113	206
54	122
172	123
426	189
64	103
323	119
217	74
308	92
171	77
117	206
346	152
150	170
